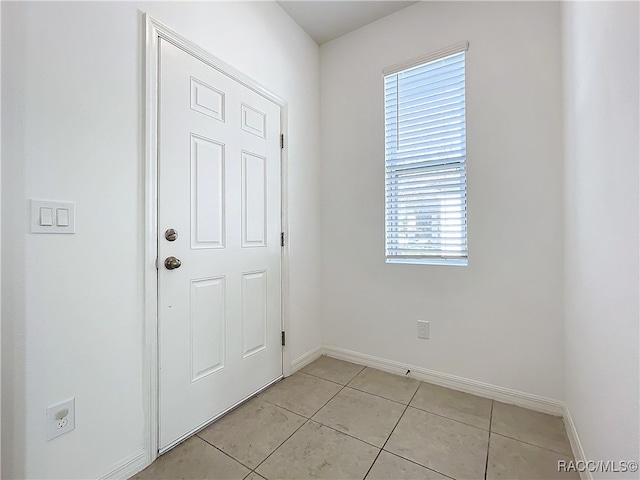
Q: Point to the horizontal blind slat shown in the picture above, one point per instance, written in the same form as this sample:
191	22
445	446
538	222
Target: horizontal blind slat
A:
440	247
431	68
452	110
400	230
427	252
425	211
399	94
427	203
431	132
438	165
393	183
411	125
447	146
455	90
429	190
445	238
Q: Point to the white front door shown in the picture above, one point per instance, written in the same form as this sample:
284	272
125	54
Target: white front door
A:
219	190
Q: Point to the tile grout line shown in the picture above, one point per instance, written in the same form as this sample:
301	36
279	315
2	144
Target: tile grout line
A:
287	409
399	418
252	472
486	463
321	378
334	396
332	381
449	418
275	449
532	444
225	453
418	464
420	382
394	428
343	433
391	433
308	419
304	416
374	394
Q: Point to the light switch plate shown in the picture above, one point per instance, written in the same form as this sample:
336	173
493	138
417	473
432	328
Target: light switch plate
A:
58	216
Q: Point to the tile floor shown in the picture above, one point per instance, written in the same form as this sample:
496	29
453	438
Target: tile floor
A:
337	420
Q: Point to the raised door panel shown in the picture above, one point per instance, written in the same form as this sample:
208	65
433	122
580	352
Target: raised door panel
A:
254	200
254	121
207	100
207	327
207	193
254	312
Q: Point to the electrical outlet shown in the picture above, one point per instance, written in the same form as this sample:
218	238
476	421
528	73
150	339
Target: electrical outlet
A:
423	329
61	418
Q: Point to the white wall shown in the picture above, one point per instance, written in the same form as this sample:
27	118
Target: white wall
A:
499	320
601	63
72	129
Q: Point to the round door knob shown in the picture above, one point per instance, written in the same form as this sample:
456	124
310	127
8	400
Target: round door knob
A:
172	263
171	234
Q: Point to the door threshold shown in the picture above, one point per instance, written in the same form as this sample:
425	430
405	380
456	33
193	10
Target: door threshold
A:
217	417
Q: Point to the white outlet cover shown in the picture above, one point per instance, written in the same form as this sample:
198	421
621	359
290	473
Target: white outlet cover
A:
56	415
423	329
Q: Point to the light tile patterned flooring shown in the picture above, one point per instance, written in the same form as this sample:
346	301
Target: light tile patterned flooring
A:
337	420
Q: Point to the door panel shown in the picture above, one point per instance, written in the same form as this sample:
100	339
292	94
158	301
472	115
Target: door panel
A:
219	187
207	193
207	321
254	202
254	312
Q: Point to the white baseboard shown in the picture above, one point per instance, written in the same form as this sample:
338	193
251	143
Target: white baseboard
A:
305	359
502	394
128	467
576	445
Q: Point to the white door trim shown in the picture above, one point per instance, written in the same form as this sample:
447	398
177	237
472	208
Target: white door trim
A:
155	30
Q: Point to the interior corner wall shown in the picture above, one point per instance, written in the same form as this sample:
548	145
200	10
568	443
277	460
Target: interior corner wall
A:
601	96
499	320
72	129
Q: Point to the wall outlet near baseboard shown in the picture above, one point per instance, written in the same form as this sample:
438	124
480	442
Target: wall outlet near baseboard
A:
61	418
423	329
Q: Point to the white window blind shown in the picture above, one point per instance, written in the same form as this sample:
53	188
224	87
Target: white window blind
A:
425	158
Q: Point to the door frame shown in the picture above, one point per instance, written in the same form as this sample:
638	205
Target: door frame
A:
153	32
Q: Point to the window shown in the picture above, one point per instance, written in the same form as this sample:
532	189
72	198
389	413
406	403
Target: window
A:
425	160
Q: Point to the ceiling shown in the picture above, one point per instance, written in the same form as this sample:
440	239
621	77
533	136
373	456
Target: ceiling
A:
329	19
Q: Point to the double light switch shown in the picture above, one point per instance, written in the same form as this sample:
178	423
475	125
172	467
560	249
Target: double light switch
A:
52	217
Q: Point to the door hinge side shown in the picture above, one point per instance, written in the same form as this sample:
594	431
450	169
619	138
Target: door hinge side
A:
282	239
156	263
282	140
283	338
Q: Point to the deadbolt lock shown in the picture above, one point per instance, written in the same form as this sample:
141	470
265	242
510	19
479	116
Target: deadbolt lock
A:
171	263
171	234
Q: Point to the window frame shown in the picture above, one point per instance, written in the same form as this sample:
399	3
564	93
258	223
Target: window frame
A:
448	168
